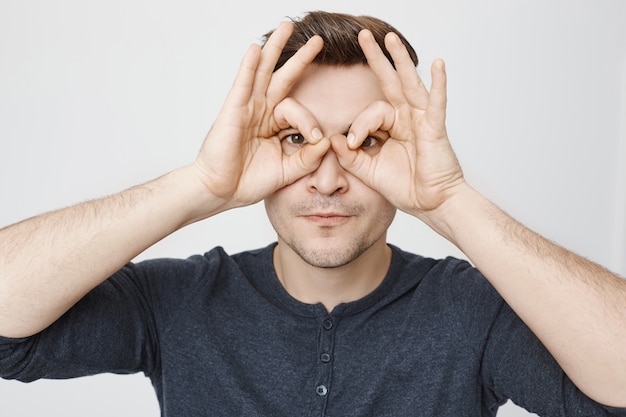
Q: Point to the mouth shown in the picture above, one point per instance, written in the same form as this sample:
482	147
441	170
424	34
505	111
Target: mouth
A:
327	219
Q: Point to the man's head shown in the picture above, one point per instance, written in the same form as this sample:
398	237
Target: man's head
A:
329	217
339	32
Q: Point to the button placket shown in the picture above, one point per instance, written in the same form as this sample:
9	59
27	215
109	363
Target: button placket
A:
325	349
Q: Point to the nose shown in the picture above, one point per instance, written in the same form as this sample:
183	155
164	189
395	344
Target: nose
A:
330	177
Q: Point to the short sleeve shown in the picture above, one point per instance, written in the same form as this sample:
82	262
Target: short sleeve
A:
518	367
115	328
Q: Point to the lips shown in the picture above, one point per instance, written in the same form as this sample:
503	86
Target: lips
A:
327	219
327	211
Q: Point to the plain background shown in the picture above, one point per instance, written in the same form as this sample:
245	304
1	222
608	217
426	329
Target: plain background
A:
96	96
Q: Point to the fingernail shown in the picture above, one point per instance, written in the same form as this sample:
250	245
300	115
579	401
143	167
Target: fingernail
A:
350	139
317	134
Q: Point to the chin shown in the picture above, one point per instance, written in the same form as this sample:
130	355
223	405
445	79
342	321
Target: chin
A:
330	256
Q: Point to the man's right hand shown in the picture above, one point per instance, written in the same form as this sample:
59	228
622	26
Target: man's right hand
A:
241	161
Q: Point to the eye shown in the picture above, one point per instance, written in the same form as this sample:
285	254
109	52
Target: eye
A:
374	142
291	141
294	139
369	142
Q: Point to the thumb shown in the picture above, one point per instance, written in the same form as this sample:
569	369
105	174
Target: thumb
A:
306	160
355	161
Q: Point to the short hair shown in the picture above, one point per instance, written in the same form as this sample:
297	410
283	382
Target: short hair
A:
340	34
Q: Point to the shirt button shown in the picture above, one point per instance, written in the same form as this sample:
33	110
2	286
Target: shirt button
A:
325	357
328	324
321	390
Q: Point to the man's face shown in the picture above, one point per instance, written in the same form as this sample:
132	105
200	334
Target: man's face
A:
330	217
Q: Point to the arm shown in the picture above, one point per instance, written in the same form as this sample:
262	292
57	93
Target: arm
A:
576	308
49	262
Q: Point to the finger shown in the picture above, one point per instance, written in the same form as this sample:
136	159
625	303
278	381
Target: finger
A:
378	62
414	89
285	78
269	56
436	109
291	114
241	89
379	115
356	161
305	161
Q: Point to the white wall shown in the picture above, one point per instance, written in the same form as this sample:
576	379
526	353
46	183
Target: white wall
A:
98	96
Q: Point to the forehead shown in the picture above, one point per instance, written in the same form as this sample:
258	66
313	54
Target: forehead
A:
336	95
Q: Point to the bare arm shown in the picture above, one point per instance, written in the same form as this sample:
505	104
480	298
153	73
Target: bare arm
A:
576	308
49	262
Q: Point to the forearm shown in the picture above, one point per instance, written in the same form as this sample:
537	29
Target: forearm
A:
49	262
575	307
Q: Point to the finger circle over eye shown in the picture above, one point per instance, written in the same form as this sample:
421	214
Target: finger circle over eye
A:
289	113
379	115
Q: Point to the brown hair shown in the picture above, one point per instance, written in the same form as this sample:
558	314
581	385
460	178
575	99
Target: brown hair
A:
340	34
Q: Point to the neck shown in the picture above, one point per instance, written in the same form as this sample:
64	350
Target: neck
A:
332	286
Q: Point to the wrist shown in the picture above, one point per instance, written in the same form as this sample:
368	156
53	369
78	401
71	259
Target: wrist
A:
458	214
185	188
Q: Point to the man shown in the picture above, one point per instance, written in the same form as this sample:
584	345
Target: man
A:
334	134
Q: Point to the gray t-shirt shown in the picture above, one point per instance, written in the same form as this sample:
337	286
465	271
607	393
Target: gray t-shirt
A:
219	336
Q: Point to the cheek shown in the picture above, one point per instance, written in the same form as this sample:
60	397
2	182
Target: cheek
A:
281	200
387	214
271	207
277	208
384	212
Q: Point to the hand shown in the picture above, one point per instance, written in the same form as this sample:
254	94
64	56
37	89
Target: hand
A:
241	160
415	168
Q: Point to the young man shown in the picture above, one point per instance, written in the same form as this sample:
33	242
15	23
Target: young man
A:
334	134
